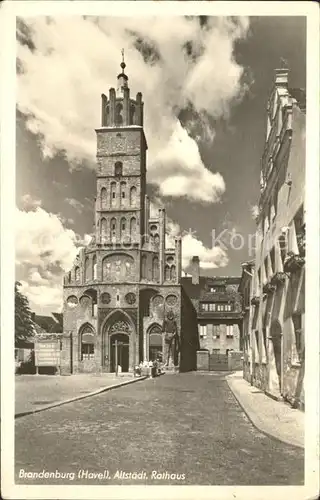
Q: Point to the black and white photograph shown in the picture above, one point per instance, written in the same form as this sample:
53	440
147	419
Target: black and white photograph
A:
159	269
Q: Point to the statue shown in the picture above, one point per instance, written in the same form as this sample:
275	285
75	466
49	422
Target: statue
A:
171	338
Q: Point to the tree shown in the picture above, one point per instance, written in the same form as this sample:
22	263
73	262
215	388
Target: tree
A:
23	322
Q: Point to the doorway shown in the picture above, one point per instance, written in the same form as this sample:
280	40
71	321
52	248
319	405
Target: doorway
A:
119	352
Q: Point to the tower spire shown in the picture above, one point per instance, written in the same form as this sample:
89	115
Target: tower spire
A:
122	77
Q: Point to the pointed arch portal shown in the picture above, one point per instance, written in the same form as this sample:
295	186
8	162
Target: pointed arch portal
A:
118	342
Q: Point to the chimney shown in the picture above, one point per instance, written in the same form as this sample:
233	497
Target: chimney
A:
281	77
195	270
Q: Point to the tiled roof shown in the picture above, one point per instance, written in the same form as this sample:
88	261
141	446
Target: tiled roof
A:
48	323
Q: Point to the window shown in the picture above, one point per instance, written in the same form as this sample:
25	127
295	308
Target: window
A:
167	273
123	187
113	187
229	332
173	273
203	331
133	227
103	198
133	195
118	169
77	274
155	269
123	224
205	307
87	269
87	343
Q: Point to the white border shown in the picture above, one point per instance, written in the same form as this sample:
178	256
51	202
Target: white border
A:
8	12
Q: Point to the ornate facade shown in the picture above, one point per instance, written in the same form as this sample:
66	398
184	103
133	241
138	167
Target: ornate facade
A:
125	281
274	285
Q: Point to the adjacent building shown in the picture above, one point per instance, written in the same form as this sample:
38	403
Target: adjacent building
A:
218	306
274	285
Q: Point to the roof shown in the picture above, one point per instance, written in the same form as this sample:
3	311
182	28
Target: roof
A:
201	290
46	324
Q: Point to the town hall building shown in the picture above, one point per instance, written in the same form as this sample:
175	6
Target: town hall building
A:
124	284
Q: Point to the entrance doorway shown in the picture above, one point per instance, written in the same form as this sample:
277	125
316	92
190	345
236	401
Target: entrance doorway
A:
119	352
155	344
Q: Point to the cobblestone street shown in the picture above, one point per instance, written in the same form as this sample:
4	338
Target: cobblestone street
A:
187	424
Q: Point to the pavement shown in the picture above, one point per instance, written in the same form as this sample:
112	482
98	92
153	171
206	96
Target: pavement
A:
274	418
34	393
177	429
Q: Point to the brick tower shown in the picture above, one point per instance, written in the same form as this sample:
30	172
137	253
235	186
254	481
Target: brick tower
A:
125	281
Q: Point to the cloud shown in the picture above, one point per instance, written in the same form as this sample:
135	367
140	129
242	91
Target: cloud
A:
210	257
45	250
254	210
77	205
28	203
176	63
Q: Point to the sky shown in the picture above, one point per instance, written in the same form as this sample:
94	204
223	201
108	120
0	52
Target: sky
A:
205	83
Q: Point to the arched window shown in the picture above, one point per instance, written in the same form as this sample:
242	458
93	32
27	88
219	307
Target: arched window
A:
113	191
155	269
119	119
173	273
113	228
103	198
123	188
133	228
77	274
118	169
87	343
133	195
144	267
104	236
167	273
69	277
94	267
122	227
87	269
132	114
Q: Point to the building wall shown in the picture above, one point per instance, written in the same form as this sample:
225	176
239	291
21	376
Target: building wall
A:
224	343
277	355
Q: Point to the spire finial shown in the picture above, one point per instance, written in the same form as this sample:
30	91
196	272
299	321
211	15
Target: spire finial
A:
123	64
